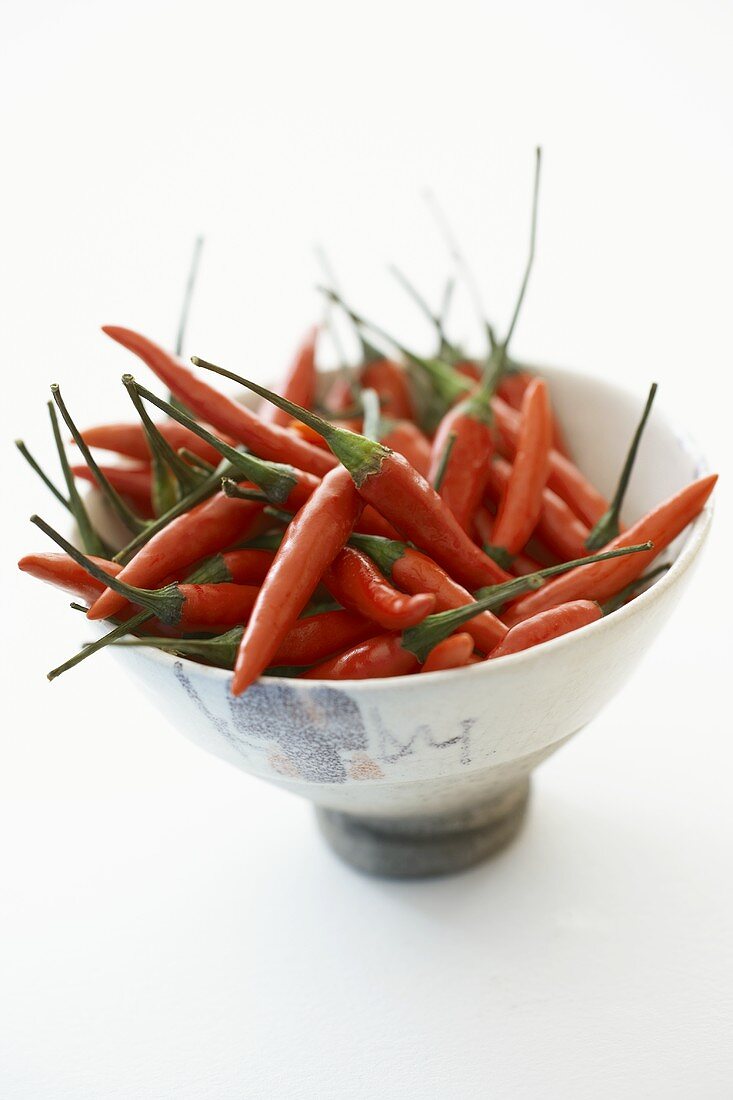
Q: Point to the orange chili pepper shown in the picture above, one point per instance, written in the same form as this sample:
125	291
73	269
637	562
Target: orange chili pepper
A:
390	382
453	652
521	502
558	526
132	481
600	581
130	440
547	625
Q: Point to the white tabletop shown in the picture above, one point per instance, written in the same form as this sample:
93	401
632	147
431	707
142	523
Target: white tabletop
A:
172	928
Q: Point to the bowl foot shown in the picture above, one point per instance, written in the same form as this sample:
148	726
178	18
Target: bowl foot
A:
417	847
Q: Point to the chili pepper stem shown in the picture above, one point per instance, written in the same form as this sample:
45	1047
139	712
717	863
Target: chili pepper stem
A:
360	456
231	489
163	454
34	465
93	647
607	527
193	271
421	639
435	319
532	242
276	479
124	513
166	603
91	541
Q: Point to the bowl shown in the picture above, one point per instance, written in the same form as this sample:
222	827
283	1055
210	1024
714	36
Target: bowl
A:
428	774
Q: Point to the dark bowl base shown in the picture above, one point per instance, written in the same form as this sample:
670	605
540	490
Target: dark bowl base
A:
419	847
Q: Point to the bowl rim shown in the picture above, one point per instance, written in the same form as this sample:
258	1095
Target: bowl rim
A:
694	540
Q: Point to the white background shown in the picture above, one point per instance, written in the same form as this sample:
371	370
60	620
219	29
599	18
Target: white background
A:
171	927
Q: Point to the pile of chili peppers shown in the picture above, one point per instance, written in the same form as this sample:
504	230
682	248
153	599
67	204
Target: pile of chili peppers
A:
413	514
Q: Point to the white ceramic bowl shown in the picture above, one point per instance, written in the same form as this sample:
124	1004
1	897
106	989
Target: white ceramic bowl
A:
447	753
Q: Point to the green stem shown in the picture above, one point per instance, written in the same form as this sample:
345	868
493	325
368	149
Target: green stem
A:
173	478
196	461
123	512
369	354
165	603
231	489
461	263
91	541
220	651
188	294
532	241
435	319
421	639
444	460
630	590
94	647
608	527
276	479
383	552
361	457
43	476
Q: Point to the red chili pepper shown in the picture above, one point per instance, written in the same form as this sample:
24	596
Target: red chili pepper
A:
299	384
454	652
565	478
521	503
372	523
60	571
375	657
216	605
461	455
600	581
266	440
389	380
319	636
248	566
312	540
388	482
130	440
415	572
558	526
354	580
401	654
207	528
132	481
512	389
547	625
406	438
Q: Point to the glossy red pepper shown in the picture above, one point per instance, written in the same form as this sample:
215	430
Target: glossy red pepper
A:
268	441
312	540
546	625
376	657
416	572
521	502
406	438
600	581
390	484
354	580
211	526
558	526
512	389
461	455
130	440
316	637
453	652
565	478
60	571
